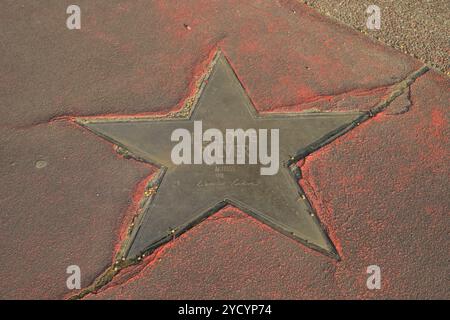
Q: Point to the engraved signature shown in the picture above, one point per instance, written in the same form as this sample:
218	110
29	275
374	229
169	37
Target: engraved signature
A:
235	182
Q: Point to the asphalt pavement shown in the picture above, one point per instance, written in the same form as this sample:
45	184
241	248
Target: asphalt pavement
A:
420	28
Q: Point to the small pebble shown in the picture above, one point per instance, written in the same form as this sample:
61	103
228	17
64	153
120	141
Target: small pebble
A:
41	164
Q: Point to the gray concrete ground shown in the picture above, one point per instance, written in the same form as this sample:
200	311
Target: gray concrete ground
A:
417	27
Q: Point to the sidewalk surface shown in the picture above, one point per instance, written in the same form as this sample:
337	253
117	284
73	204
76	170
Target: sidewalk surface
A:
420	28
68	198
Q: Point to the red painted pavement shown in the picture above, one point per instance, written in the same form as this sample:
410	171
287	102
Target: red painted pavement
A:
381	190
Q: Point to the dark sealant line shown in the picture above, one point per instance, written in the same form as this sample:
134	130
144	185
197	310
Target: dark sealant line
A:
399	89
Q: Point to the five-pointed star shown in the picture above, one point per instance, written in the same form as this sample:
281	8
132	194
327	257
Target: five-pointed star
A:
187	194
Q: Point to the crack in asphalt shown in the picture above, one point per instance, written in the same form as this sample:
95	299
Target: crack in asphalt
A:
397	91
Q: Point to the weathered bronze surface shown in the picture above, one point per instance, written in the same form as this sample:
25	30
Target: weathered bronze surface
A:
188	193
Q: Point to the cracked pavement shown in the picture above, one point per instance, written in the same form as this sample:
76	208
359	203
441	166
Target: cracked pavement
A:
68	197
